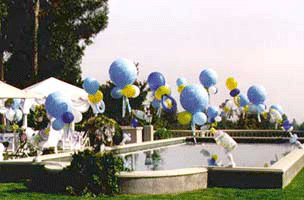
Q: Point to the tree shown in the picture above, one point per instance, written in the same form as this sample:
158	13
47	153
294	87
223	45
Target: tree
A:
66	27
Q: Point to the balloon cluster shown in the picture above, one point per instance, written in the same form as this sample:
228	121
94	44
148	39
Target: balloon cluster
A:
208	79
123	73
95	96
162	92
194	99
59	107
257	96
14	112
232	84
275	113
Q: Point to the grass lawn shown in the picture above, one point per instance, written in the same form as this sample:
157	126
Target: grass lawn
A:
295	190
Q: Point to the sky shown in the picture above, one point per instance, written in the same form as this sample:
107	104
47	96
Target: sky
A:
257	42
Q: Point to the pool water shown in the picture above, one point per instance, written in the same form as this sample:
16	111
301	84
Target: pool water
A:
189	155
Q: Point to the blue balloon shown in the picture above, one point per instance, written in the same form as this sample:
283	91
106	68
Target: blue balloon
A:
90	85
256	94
122	72
208	78
199	118
253	108
286	125
181	81
116	93
67	117
212	112
155	104
56	104
134	122
235	92
260	108
194	98
155	80
57	124
59	108
278	108
244	101
50	101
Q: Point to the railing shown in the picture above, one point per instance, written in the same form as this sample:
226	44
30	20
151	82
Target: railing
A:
265	134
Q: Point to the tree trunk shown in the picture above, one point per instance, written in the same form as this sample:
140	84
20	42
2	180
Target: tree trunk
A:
35	39
1	66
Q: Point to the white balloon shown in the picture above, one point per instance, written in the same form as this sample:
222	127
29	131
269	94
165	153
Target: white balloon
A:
218	118
274	116
212	90
33	107
137	92
19	115
139	114
10	114
77	116
229	104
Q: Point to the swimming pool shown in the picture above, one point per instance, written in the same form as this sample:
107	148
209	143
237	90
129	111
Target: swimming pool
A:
189	155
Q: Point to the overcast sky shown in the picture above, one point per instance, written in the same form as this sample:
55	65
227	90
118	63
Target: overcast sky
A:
255	41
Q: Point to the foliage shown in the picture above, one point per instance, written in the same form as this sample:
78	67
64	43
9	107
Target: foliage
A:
38	118
114	106
94	174
94	123
66	27
162	133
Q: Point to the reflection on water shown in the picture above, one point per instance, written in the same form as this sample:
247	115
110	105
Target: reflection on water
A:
185	156
152	161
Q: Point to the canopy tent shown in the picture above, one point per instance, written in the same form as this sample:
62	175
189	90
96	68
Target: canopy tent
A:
8	91
50	85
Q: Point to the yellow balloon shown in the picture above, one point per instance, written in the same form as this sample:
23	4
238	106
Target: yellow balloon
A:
231	83
95	98
212	130
246	108
161	91
181	88
168	103
47	131
214	157
184	117
129	90
226	109
265	114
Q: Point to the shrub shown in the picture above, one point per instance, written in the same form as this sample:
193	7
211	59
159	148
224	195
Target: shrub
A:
91	173
98	122
162	133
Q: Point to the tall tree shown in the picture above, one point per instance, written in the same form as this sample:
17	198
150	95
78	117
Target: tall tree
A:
66	27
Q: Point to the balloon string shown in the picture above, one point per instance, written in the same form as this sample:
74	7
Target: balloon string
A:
209	96
236	101
123	106
128	105
159	111
193	131
259	117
